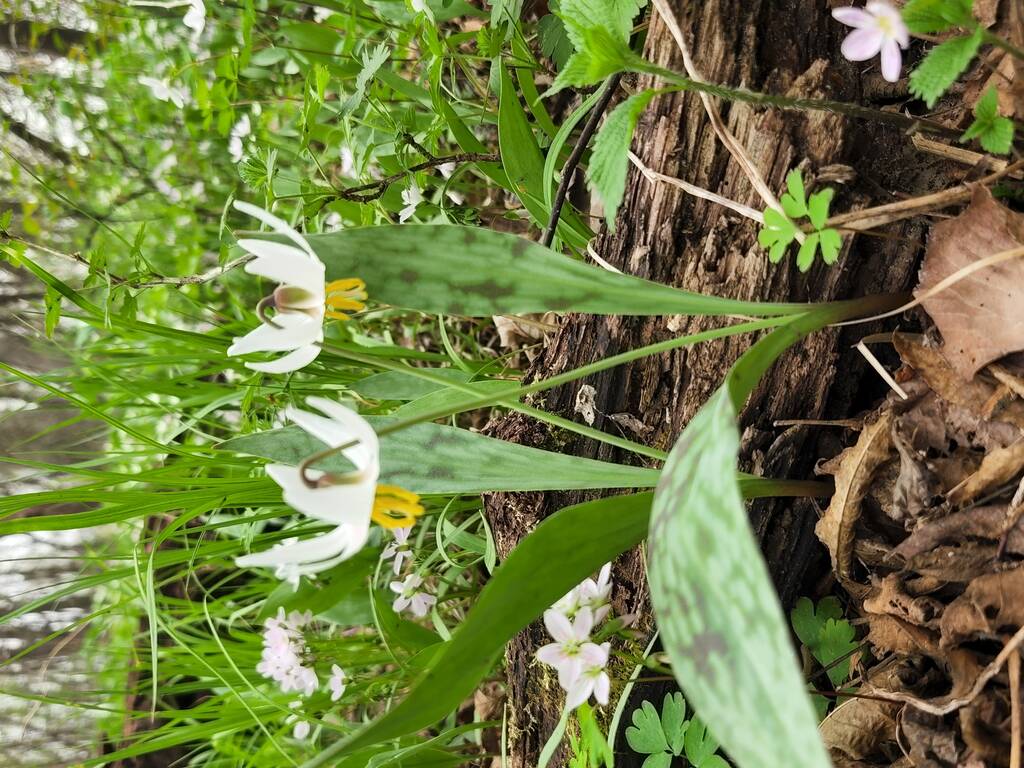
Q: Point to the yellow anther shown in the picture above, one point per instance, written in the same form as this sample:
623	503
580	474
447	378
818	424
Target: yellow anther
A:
395	507
345	295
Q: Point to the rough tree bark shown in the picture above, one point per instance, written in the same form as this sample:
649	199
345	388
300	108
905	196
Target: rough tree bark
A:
773	45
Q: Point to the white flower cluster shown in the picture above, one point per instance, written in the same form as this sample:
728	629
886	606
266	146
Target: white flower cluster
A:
579	662
284	648
409	595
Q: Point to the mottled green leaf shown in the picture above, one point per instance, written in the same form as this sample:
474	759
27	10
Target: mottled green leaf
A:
433	458
456	270
721	622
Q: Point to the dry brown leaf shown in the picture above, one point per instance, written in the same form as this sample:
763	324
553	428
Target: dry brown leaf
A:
853	478
969	394
916	485
984	728
991	604
959	562
987	522
931	741
980	317
891	598
892	635
997	468
858	727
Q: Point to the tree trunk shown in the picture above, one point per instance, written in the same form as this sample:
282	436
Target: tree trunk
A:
773	45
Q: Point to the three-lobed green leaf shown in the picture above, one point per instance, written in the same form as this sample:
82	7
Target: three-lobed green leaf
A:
992	130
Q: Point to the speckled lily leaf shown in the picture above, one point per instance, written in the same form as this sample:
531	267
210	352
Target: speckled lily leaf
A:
433	458
720	620
457	270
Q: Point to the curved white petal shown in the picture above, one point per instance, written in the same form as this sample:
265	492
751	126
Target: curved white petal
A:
593	655
293	361
579	692
286	264
862	44
853	17
569	672
552	654
892	61
295	330
602	688
349	504
278	225
582	624
558	626
356	427
343	541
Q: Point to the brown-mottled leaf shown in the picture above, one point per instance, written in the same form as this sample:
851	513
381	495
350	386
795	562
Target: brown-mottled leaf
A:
856	470
997	468
980	317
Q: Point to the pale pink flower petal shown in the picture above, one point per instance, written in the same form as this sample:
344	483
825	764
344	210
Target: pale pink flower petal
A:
862	44
853	17
558	626
892	61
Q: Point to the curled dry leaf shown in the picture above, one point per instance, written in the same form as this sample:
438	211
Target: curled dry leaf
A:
892	598
991	604
988	522
853	478
888	634
857	727
997	468
980	317
585	405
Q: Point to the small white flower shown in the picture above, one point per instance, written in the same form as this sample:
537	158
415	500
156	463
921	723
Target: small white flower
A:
284	647
447	169
596	595
398	549
297	327
195	17
347	505
570	604
420	6
877	28
301	729
592	679
348	162
572	642
410	597
412	198
236	144
164	91
336	682
321	14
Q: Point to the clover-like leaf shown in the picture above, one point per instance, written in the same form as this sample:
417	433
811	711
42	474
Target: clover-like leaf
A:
836	641
674	722
817	208
776	235
805	256
794	203
646	736
701	745
829	242
658	760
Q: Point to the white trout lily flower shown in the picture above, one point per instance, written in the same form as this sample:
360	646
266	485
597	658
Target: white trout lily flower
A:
878	28
301	301
349	502
592	679
411	597
572	644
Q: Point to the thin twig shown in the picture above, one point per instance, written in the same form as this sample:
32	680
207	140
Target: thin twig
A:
1014	670
569	169
369	192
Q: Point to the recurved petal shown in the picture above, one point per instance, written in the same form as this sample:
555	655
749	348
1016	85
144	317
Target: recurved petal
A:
862	44
278	225
293	361
284	263
349	503
344	541
355	425
292	331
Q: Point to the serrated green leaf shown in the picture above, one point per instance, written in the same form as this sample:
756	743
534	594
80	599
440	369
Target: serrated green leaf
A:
817	208
554	42
942	66
674	722
434	458
615	16
994	132
998	139
610	158
720	618
830	242
373	60
646	736
805	256
701	744
928	16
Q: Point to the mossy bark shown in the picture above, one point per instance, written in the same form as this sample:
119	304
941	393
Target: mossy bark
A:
781	46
